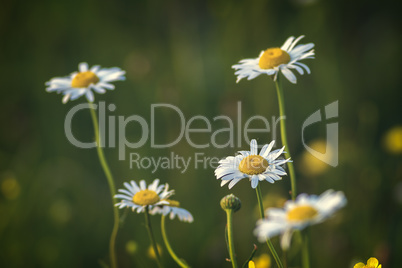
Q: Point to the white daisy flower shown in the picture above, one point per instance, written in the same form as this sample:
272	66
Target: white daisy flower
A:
296	215
173	209
250	164
276	59
139	197
83	82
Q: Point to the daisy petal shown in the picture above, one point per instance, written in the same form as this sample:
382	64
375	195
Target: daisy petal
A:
106	85
254	181
66	98
244	153
95	68
99	89
253	147
300	49
303	66
83	67
286	238
289	75
90	96
129	187
266	149
298	69
295	42
135	186
114	76
287	43
253	75
224	182
143	185
233	182
268	179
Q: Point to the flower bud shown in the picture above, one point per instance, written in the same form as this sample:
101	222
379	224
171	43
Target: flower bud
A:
231	202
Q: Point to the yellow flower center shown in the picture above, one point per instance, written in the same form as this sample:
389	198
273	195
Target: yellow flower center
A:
302	213
253	165
146	197
173	203
273	57
84	79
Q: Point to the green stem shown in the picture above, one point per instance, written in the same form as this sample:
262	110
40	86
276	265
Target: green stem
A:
281	101
232	254
269	243
180	262
112	188
151	237
285	259
245	265
305	250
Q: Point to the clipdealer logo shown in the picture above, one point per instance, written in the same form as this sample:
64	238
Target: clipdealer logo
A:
236	132
332	141
108	135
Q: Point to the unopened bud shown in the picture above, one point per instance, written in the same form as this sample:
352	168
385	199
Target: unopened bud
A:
231	202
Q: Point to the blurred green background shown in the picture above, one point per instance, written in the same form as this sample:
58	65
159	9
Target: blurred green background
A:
55	208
